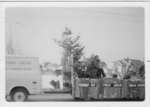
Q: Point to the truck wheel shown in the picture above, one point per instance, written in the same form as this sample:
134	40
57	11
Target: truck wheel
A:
19	95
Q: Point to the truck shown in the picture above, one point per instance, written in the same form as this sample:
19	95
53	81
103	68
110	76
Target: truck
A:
23	77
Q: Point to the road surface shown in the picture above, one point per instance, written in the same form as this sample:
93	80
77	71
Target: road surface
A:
63	97
51	97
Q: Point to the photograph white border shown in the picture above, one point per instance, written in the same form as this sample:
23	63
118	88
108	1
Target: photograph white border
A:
4	5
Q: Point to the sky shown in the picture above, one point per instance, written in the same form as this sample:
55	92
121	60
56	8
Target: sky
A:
112	33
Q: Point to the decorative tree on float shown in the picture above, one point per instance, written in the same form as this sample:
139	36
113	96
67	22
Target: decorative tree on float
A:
72	50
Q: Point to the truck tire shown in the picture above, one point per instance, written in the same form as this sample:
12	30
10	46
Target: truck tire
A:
19	95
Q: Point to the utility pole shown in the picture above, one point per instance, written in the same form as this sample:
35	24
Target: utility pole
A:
72	75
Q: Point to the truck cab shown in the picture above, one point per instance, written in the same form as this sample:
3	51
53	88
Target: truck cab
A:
23	77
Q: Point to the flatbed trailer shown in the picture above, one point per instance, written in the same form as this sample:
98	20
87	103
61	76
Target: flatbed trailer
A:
108	89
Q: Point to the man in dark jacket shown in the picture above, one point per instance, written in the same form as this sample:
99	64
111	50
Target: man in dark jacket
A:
100	73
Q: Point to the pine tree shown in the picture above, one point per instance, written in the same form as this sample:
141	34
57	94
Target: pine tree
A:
72	50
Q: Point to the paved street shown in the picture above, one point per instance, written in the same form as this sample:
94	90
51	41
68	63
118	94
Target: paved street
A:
65	97
51	97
